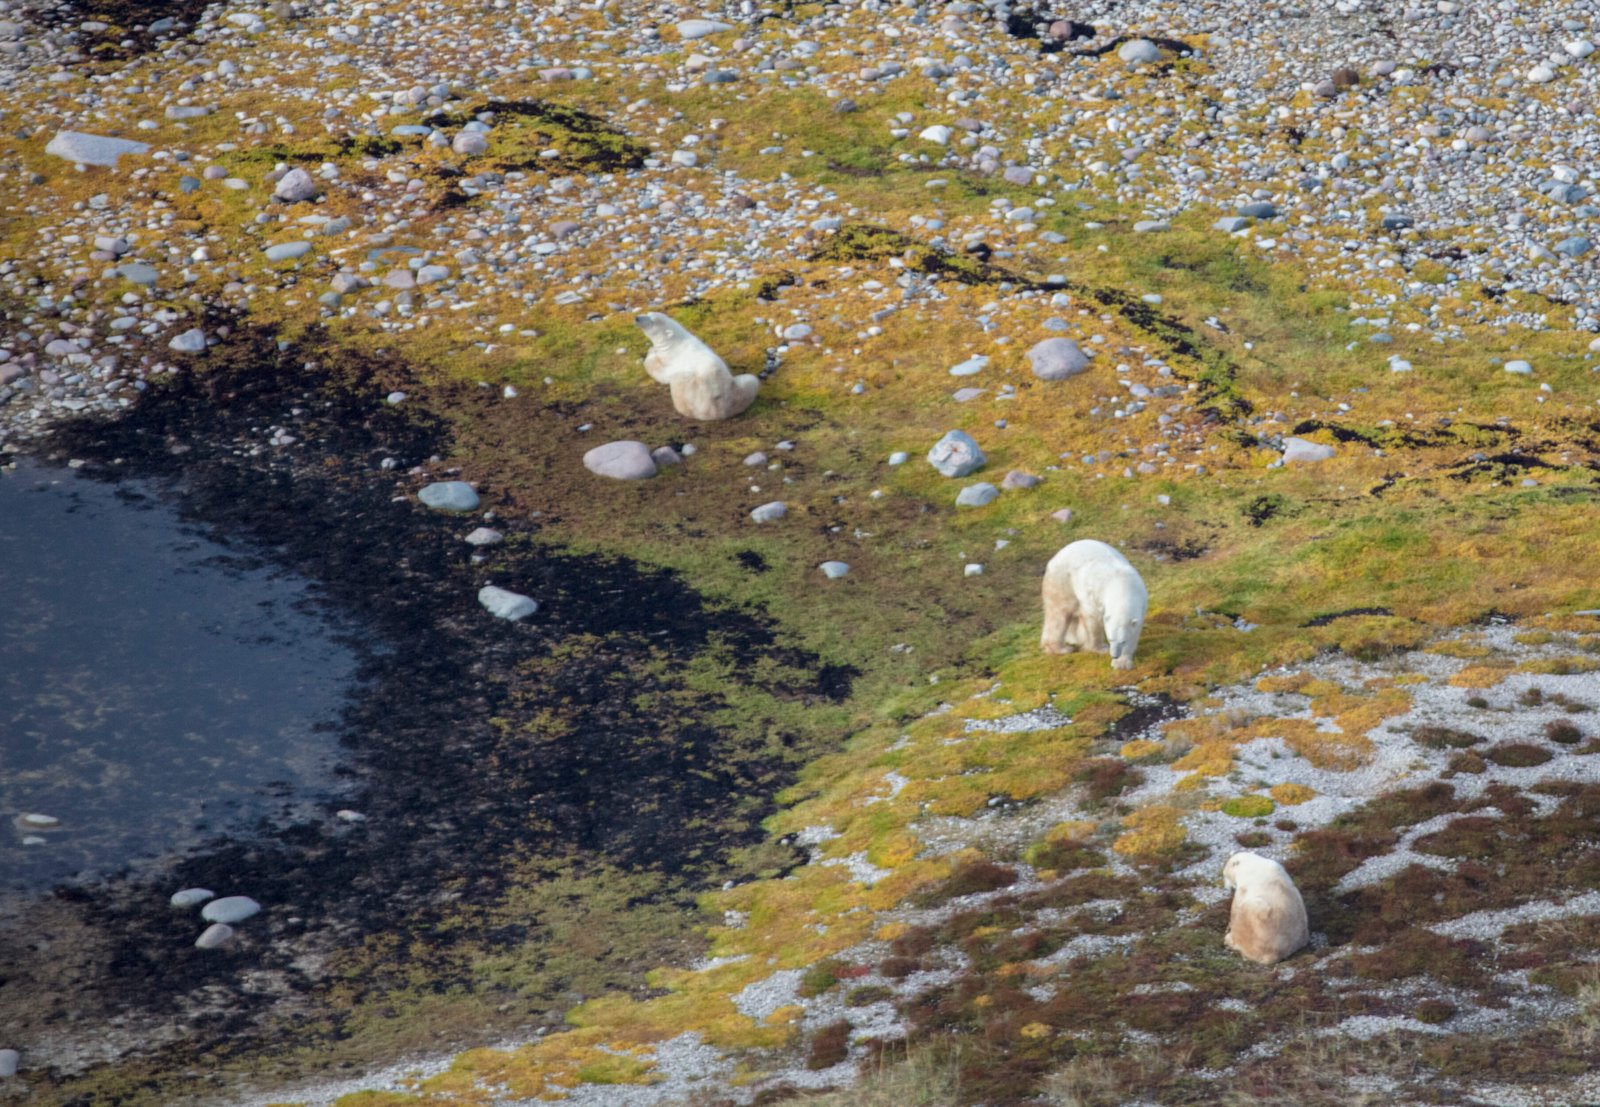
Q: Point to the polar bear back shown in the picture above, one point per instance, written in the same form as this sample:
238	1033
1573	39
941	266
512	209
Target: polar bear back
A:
1268	919
1101	579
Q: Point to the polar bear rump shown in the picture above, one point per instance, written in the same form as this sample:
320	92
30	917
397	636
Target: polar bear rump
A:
702	386
1093	600
1268	920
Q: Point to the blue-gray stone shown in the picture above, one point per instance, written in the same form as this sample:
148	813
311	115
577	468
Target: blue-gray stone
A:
138	272
503	603
768	513
449	495
1230	223
1056	359
411	129
833	570
899	457
88	149
192	897
1299	449
191	341
1397	221
956	455
977	495
229	909
1519	367
288	251
188	184
1260	209
1574	247
970	366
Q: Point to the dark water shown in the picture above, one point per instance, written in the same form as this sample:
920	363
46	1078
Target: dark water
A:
157	689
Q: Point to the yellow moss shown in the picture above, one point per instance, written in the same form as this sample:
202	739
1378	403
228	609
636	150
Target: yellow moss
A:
1292	682
1074	830
1533	638
1464	648
1210	758
1289	794
1035	1030
1481	676
1248	807
1559	666
888	932
1151	832
1140	747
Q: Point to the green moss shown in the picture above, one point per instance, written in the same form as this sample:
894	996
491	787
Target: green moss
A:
1249	807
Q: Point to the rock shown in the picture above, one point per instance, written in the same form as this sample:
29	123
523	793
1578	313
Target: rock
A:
1299	449
833	570
970	366
213	936
977	495
1260	209
966	395
1056	359
471	143
1574	247
768	513
505	604
1519	367
691	29
87	149
36	821
9	1060
1397	221
485	536
665	455
1139	52
899	457
449	495
1018	479
140	273
1151	226
192	897
1541	74
1228	224
295	186
1062	516
229	909
621	461
956	455
937	133
287	251
1018	175
972	569
192	341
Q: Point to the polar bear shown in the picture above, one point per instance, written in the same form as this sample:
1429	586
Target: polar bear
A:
702	387
1093	600
1269	917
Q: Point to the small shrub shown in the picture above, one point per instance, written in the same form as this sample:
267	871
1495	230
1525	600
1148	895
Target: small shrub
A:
829	1046
819	978
1248	807
971	877
897	968
1287	825
1104	777
1563	732
1468	762
867	994
1251	839
1477	701
1533	697
1435	1011
1518	755
1444	738
1063	856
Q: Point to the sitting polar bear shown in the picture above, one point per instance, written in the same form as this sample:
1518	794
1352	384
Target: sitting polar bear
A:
1093	600
702	387
1269	917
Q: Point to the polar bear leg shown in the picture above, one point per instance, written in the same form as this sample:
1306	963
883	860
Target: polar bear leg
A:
1060	618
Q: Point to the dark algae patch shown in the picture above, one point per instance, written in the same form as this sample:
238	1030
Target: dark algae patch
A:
541	800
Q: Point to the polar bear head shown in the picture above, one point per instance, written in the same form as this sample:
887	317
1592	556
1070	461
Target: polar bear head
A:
1245	869
663	332
1125	607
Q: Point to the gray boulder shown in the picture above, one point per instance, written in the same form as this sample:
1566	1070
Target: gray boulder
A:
449	495
771	512
621	461
977	495
503	603
956	455
1301	450
87	149
1056	359
296	185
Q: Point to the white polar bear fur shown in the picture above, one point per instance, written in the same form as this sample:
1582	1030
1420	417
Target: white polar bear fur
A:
1093	600
1268	922
702	387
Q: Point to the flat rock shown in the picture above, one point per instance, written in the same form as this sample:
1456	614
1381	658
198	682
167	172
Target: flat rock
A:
287	251
503	603
771	512
192	341
970	367
213	936
624	460
1519	367
9	1060
1140	51
87	149
485	536
192	897
701	28
1056	359
833	570
956	455
1018	479
229	909
449	495
977	495
1064	515
1299	449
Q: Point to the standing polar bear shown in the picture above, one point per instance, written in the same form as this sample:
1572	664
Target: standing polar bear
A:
702	387
1269	918
1093	600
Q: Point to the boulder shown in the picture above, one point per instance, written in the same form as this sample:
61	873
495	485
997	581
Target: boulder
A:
621	461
